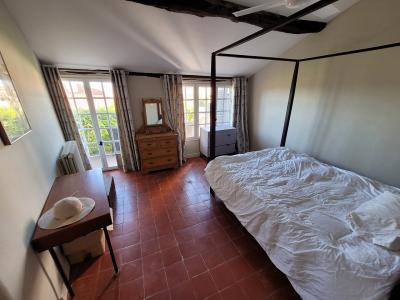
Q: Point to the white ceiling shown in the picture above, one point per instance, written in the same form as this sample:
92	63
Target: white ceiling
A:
117	33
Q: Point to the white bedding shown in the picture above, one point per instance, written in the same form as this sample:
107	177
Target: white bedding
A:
280	196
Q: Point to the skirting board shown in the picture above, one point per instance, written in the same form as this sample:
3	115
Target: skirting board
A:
191	155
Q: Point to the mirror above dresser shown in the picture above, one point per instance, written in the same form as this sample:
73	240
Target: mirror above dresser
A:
153	112
157	143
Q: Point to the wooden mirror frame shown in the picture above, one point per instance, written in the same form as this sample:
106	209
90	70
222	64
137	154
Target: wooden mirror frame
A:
156	128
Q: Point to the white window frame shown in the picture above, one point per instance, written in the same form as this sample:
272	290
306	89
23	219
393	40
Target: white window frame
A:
196	85
86	79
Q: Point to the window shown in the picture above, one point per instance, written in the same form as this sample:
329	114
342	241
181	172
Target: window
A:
92	104
197	102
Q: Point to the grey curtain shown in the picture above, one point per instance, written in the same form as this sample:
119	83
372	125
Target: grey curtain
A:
240	114
63	110
173	107
129	154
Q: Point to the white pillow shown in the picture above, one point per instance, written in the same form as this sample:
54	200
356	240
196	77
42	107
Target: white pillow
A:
379	217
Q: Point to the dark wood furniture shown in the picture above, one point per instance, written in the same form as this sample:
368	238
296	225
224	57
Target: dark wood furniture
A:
157	151
84	184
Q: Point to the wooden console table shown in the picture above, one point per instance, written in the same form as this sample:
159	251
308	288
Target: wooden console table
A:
84	184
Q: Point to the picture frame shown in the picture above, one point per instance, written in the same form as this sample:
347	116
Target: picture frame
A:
13	121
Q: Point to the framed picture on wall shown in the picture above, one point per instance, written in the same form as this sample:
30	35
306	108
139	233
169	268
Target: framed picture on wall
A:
13	121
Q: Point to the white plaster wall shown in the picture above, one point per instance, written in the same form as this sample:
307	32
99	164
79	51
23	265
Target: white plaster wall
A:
346	109
27	171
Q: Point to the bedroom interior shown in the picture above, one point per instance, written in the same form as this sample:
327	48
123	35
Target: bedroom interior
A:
143	169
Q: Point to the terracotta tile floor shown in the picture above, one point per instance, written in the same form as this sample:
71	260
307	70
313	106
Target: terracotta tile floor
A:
173	241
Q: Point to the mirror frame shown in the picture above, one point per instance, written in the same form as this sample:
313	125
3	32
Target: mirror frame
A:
154	100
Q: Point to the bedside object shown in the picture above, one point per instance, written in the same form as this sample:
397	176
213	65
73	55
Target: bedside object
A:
157	143
225	141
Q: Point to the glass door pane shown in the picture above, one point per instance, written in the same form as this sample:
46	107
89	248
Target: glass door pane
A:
104	106
78	101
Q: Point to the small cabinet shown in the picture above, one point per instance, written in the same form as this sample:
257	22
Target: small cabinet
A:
225	141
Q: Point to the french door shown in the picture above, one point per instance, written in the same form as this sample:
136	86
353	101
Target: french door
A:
93	107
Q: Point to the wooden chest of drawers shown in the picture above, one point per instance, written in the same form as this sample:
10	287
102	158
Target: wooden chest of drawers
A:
157	151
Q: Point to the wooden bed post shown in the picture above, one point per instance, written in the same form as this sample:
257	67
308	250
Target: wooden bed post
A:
290	104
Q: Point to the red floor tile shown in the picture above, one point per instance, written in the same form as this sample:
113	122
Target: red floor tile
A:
212	258
228	251
176	274
108	295
195	265
203	285
107	280
167	241
149	247
132	290
233	293
130	253
131	271
152	262
154	282
254	288
173	241
188	249
240	268
222	276
165	295
106	262
183	291
216	296
171	256
85	285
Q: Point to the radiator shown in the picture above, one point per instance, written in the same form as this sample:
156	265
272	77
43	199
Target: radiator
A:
70	160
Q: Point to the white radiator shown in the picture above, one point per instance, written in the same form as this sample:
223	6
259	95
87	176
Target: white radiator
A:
70	160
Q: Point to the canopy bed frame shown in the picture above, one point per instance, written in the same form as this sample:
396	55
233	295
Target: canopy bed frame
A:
252	188
316	6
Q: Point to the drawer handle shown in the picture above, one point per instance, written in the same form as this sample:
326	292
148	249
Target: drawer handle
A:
228	135
149	144
169	160
149	153
150	163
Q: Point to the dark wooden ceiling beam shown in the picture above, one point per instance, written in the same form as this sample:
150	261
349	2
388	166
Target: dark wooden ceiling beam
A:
224	9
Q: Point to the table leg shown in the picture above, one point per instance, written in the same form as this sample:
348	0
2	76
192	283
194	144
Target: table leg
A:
111	250
62	273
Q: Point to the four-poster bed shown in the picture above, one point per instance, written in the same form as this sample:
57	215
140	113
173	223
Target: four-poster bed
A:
297	207
295	16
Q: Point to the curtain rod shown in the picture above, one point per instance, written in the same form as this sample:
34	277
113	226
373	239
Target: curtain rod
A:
155	75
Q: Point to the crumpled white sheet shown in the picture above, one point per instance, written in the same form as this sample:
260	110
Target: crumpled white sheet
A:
275	193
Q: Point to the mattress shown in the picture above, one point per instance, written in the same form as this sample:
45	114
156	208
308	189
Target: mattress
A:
297	208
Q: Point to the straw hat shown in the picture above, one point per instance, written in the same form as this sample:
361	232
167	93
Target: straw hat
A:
66	211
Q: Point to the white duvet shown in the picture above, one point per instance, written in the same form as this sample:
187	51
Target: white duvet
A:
296	208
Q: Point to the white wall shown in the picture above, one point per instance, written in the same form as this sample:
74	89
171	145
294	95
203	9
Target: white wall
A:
28	169
346	109
143	87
